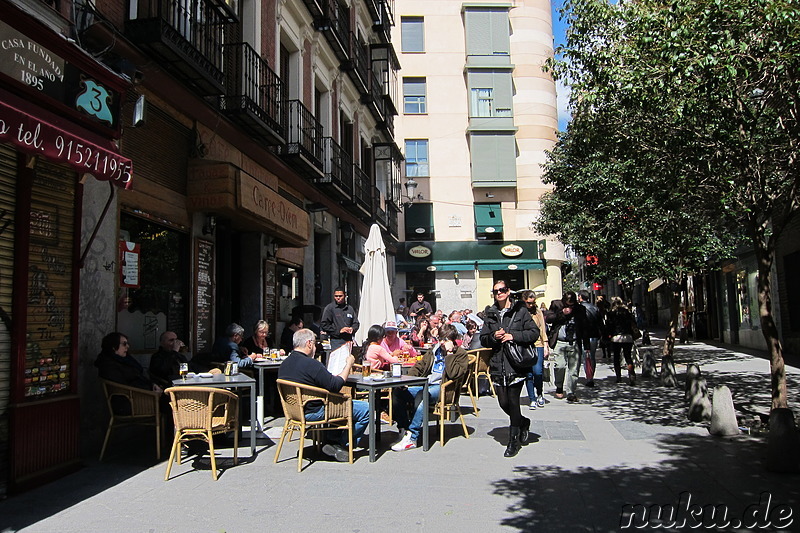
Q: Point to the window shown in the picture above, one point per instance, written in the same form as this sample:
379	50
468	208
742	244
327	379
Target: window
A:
487	32
412	34
417	158
488	222
482	103
494	160
414	96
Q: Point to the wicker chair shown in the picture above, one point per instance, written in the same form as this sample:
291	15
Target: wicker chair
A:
338	415
199	414
484	355
447	404
467	387
144	410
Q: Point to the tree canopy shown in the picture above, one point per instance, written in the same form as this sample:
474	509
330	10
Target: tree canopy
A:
684	136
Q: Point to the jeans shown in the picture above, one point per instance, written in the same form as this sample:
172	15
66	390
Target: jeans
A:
360	420
568	365
534	380
403	398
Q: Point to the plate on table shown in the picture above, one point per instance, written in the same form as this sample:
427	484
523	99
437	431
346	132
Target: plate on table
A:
377	378
205	374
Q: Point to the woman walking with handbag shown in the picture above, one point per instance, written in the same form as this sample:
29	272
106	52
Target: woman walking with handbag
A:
620	323
508	322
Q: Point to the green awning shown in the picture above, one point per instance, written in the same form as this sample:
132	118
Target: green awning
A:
488	218
419	221
418	256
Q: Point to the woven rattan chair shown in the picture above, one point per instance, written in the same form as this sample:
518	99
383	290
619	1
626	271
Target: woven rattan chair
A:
144	410
447	404
338	415
199	414
484	355
472	367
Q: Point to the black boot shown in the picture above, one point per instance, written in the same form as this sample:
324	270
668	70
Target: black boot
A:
513	442
524	430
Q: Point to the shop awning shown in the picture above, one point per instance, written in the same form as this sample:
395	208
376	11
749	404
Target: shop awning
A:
64	143
419	256
419	221
488	218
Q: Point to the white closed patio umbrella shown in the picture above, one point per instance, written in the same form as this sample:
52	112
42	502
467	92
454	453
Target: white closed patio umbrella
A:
376	298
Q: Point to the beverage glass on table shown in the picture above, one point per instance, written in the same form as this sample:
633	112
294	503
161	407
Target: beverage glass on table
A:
183	369
365	370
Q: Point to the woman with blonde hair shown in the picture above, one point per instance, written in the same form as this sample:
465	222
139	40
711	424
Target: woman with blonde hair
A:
257	343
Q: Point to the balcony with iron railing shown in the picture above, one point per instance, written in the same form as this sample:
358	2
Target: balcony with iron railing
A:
185	37
357	67
362	193
385	65
338	166
254	94
383	19
392	215
304	148
334	23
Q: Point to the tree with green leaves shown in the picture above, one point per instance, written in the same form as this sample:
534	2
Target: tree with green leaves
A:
685	133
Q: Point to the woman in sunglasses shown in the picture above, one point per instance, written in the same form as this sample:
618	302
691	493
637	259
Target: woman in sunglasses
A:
507	320
115	364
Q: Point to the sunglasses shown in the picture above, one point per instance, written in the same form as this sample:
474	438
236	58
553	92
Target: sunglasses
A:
501	290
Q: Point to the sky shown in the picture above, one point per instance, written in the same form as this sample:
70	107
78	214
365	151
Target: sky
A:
562	92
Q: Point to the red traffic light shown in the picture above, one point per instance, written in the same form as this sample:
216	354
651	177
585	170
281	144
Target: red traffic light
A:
591	259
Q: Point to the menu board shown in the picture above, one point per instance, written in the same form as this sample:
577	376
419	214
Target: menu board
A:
270	294
204	295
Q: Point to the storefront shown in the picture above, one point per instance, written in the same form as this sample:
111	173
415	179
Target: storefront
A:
59	114
460	275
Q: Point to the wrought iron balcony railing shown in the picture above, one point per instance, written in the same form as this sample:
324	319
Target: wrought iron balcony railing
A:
362	192
357	66
254	94
186	35
304	139
338	166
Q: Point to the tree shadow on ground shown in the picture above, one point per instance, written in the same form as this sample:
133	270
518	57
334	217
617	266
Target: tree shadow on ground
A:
709	470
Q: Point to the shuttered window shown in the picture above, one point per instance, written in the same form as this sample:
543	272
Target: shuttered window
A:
487	31
50	288
412	34
494	160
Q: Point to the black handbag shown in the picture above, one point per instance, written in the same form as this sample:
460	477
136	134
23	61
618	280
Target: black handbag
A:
521	356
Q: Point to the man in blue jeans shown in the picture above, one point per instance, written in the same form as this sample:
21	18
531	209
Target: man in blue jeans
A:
301	367
444	362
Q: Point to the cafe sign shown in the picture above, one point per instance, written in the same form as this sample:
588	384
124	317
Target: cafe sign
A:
419	251
260	200
511	250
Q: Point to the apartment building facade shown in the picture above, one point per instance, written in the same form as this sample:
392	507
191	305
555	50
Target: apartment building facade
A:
478	114
176	165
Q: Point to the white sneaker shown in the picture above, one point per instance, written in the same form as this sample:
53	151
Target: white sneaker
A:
533	405
540	401
406	443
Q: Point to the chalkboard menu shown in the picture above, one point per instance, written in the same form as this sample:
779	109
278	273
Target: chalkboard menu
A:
204	295
270	294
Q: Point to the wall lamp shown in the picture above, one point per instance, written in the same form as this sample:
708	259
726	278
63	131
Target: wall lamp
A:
411	192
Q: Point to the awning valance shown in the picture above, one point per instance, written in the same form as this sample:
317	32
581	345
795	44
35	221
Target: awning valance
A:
488	218
64	143
417	256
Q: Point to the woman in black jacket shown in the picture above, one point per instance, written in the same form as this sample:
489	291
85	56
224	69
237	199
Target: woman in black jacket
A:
620	324
508	321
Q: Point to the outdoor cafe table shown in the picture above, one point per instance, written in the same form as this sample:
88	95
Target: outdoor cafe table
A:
221	381
372	386
262	367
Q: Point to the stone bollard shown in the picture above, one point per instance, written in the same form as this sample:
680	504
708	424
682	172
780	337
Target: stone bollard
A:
783	442
649	369
692	373
723	416
699	403
668	378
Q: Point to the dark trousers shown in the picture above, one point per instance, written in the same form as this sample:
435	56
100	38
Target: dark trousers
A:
508	398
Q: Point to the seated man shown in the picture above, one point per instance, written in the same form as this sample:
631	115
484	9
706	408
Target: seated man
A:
227	348
286	344
301	367
165	363
444	362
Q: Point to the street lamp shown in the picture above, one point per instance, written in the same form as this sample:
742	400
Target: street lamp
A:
411	191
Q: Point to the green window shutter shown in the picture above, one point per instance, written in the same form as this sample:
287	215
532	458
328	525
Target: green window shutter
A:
478	32
488	221
419	222
500	28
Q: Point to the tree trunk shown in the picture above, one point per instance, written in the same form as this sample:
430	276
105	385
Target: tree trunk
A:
675	308
765	256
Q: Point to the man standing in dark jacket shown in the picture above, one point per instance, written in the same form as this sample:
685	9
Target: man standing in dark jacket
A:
568	339
339	320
